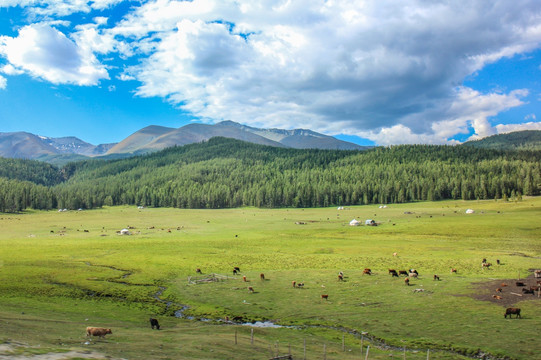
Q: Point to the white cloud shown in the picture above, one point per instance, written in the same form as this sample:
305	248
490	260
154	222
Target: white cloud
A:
46	53
364	67
507	128
530	117
377	68
3	82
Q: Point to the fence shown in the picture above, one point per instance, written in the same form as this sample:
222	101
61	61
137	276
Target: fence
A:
325	351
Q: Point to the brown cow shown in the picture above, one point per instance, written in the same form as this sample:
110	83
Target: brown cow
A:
499	290
512	311
453	270
367	271
326	297
402	272
393	273
528	291
497	297
407	281
436	277
262	276
251	289
486	265
520	283
293	283
97	331
503	285
300	284
340	277
198	271
244	279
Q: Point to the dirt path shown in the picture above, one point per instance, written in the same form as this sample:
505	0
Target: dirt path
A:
19	351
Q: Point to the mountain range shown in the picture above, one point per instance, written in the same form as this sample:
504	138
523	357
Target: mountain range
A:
153	138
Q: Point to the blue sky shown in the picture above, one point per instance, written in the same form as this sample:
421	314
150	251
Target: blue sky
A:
372	72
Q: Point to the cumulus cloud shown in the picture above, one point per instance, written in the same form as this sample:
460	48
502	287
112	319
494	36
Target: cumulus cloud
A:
507	128
3	82
364	68
46	53
385	70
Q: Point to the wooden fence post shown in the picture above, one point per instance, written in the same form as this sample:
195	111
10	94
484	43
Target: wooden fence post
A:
404	353
252	336
428	354
367	350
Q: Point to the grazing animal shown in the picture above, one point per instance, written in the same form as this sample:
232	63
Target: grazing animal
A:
293	283
436	277
527	291
340	277
503	285
402	272
262	276
97	331
326	297
413	271
300	284
367	271
520	283
498	261
413	275
453	270
237	268
499	290
198	270
486	265
392	272
234	271
512	311
418	290
154	324
484	261
244	279
497	297
407	281
395	254
251	289
340	273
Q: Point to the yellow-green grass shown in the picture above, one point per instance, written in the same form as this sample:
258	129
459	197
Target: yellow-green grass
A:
52	269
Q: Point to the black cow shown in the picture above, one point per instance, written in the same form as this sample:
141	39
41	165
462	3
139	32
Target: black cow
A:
154	324
512	311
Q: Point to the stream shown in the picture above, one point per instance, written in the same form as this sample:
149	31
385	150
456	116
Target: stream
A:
180	309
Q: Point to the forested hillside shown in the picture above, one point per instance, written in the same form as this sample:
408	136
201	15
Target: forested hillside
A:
229	173
520	140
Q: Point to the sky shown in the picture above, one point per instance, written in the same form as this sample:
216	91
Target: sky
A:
374	72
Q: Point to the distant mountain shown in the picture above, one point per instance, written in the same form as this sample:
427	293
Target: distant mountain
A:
154	138
520	140
24	145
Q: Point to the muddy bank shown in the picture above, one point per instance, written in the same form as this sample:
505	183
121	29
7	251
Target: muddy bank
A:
510	294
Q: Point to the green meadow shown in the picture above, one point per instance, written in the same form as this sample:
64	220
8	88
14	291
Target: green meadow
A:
63	271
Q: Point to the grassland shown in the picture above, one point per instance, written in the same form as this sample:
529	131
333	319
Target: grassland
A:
61	272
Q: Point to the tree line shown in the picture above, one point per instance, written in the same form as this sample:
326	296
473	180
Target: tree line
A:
224	173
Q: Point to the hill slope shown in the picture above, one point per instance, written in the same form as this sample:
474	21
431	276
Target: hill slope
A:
520	140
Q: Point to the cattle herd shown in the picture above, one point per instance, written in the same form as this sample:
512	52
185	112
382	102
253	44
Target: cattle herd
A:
411	273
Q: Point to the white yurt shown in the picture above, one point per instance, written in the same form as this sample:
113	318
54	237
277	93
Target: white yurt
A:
354	222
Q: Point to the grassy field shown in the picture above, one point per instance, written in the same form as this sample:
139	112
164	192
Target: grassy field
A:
63	271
